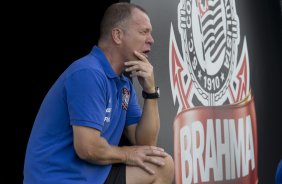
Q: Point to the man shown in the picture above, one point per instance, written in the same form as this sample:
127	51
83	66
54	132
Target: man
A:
76	133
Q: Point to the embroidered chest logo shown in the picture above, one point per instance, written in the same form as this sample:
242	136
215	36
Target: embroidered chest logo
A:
125	98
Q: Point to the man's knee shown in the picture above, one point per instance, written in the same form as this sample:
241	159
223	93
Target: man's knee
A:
163	175
166	173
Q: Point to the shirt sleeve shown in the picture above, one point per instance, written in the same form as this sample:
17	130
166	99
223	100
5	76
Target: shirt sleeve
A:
86	98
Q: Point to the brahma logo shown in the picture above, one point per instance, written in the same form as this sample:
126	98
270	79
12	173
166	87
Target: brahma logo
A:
216	144
212	76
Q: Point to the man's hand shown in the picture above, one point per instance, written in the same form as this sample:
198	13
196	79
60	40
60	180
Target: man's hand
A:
139	155
143	70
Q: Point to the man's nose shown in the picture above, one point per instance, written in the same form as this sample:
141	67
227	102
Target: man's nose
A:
150	39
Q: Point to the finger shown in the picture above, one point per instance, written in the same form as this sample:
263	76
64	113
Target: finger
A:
156	148
155	161
137	65
140	56
132	68
130	63
156	152
136	68
147	168
138	74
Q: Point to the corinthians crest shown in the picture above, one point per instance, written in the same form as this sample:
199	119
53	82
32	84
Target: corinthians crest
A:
208	72
215	136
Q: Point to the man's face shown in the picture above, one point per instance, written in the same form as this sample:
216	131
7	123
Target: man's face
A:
137	35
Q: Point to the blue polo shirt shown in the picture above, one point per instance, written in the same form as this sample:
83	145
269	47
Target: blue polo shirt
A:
88	93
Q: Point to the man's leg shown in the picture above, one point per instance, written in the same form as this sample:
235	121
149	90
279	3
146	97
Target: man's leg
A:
163	174
116	175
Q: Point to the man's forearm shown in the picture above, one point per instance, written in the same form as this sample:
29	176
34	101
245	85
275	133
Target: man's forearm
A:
100	152
147	129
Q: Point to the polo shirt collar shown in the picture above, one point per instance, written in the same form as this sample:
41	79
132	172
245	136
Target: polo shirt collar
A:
96	51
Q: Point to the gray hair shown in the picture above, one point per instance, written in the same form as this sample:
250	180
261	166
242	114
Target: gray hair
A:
115	15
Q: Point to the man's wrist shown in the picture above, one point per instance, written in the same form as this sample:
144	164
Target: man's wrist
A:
153	95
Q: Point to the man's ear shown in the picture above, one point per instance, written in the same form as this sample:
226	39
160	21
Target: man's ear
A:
117	34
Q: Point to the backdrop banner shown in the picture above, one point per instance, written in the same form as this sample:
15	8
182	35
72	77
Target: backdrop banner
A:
207	111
